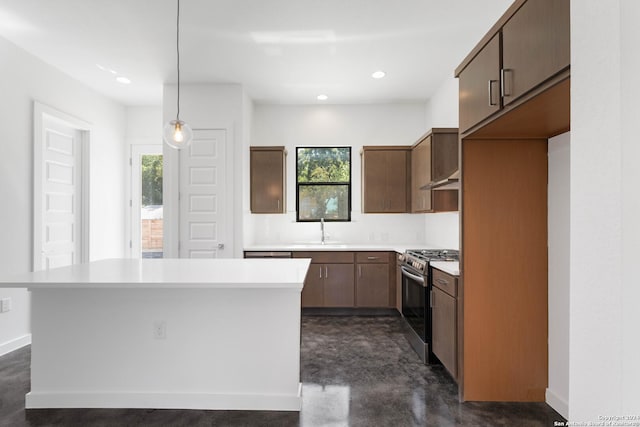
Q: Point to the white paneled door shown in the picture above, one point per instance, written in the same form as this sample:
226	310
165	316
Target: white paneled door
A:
202	194
58	192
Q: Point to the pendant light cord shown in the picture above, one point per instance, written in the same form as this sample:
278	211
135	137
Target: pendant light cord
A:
178	56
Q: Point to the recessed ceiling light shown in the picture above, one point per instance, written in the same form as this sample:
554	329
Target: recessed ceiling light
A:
123	80
378	74
322	97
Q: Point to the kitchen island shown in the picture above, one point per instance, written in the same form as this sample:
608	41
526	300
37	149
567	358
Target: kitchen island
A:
166	333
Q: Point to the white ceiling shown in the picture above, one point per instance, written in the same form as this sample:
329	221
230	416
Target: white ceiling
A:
281	51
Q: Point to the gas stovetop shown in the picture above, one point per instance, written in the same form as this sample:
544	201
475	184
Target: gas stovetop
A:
418	259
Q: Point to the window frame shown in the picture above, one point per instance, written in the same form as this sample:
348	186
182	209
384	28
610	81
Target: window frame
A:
329	183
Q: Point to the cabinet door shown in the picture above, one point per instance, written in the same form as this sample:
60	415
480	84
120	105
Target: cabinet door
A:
535	46
444	329
420	176
480	85
338	285
444	151
267	180
374	181
396	183
313	290
372	286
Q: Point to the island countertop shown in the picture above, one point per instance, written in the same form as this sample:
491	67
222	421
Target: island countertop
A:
168	273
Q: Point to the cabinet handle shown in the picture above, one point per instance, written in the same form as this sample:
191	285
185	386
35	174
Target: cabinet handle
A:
326	272
359	271
442	281
432	298
373	257
491	103
503	85
278	204
320	271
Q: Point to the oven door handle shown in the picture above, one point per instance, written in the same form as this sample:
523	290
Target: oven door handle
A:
418	279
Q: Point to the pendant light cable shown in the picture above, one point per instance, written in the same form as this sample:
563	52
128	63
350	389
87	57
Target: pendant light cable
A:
177	133
178	56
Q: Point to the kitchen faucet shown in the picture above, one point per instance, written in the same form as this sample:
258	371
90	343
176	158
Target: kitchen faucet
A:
322	230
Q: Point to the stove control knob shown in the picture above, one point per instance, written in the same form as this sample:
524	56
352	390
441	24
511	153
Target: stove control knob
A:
401	257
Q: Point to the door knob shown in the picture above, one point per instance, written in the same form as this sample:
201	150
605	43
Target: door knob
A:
220	246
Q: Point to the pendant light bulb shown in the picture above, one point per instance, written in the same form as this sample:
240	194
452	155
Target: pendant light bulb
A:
177	134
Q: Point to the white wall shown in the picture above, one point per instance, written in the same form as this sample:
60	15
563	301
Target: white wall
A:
338	125
443	228
442	107
208	106
26	79
605	235
557	393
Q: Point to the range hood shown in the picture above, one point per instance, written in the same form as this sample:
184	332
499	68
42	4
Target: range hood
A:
452	182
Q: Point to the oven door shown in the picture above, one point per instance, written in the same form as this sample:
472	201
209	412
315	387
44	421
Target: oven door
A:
414	301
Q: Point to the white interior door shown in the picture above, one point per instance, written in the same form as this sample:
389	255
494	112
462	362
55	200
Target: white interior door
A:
202	195
58	193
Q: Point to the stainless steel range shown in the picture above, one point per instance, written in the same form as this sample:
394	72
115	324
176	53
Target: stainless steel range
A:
416	291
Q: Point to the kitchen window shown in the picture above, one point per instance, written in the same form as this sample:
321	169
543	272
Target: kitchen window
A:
323	183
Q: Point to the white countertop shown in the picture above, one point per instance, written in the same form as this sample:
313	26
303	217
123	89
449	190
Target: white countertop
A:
451	267
332	246
168	273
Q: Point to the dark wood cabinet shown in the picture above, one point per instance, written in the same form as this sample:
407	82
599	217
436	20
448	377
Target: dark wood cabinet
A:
349	280
330	281
527	51
479	86
385	179
535	46
268	176
421	175
434	158
373	281
444	314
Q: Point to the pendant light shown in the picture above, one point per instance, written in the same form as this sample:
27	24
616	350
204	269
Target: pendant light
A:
176	133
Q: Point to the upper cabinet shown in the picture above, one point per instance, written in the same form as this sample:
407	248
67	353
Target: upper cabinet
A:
434	158
385	179
268	179
480	85
535	46
531	42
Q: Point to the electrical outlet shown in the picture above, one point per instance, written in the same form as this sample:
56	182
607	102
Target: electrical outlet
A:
160	330
5	305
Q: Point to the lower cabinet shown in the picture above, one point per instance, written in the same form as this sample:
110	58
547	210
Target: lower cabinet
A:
372	279
444	318
349	279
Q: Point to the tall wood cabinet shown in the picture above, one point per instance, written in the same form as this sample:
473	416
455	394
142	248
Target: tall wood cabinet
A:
434	158
267	170
502	290
386	179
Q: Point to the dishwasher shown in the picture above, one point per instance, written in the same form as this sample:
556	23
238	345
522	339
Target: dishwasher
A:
267	254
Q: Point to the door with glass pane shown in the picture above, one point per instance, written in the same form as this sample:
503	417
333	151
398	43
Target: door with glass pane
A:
146	201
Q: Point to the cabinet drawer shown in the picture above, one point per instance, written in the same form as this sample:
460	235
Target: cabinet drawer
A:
322	257
372	257
445	282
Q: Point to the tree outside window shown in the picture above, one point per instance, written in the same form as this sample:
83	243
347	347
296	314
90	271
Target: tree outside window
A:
323	181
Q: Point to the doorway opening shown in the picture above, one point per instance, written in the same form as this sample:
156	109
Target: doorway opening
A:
147	202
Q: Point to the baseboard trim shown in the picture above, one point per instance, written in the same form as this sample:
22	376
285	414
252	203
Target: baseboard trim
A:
349	311
556	402
160	400
13	345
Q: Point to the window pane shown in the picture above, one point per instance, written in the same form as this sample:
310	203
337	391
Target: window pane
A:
323	201
151	212
324	164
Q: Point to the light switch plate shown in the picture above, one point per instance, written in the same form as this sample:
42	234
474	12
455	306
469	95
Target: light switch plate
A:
5	305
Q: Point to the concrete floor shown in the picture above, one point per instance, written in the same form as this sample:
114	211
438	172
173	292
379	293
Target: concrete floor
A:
356	371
